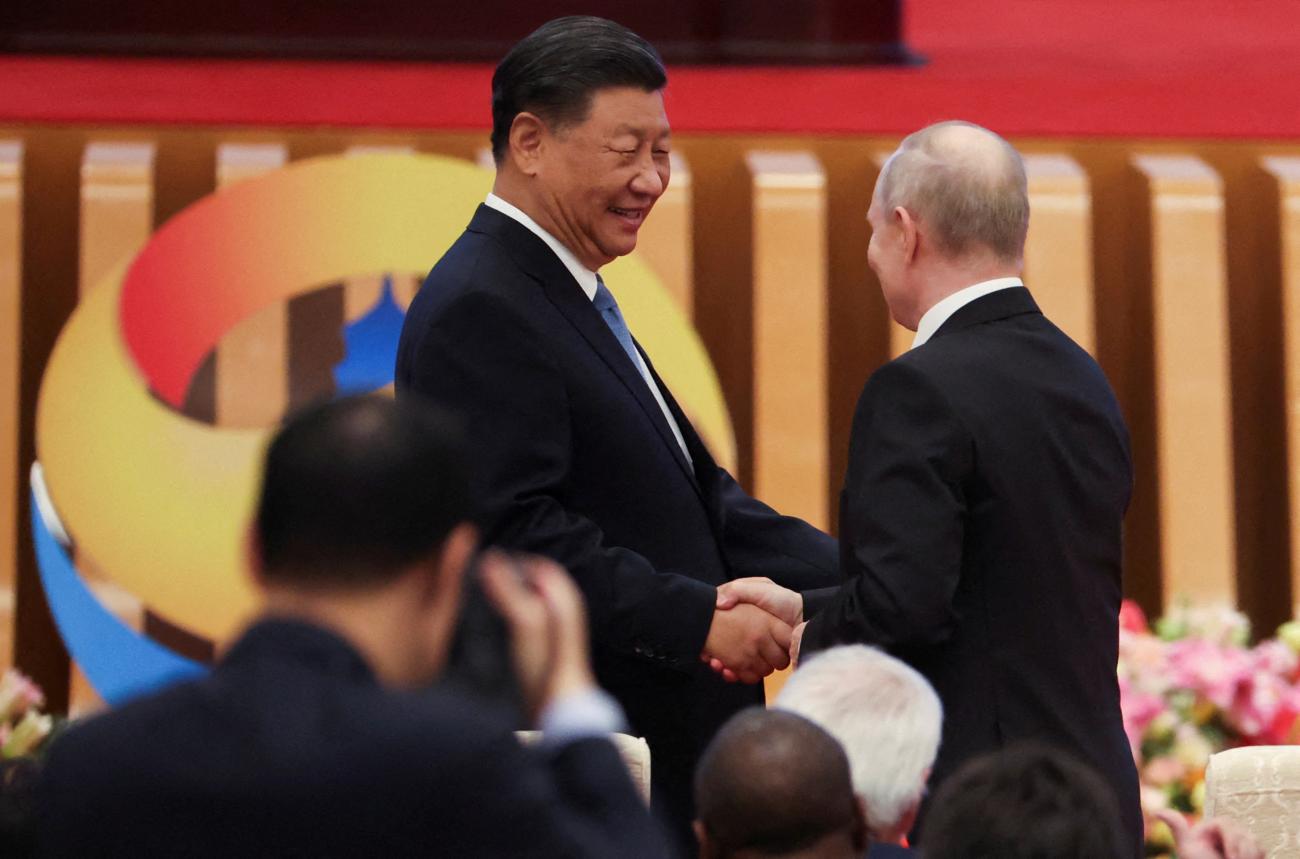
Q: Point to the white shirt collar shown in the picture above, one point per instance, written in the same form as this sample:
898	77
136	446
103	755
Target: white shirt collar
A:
585	277
934	318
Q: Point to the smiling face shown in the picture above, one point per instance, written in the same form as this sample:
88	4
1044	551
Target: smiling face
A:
596	181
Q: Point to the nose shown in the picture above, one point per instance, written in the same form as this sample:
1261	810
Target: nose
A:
651	178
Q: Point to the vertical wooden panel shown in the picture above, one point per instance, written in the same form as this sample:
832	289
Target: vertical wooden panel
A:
1058	250
1193	406
116	206
252	388
790	352
315	345
665	239
1285	172
116	220
51	200
1261	485
11	483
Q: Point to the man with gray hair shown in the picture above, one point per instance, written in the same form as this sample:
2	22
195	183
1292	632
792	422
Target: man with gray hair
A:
988	476
888	720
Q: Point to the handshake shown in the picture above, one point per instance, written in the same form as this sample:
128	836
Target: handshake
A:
757	626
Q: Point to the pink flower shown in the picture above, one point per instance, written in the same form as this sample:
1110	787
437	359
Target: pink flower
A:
1164	770
1132	618
1139	710
18	694
1212	671
1275	657
1258	702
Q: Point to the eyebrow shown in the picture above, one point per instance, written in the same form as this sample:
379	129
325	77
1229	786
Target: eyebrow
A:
640	132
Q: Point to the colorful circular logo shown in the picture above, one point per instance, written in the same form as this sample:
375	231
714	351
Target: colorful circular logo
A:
160	502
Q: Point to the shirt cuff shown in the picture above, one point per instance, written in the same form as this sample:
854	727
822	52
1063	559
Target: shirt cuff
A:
593	713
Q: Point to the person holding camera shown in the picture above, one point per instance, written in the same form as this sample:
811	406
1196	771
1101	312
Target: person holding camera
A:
319	733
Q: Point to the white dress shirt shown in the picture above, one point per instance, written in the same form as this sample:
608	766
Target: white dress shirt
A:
586	279
943	310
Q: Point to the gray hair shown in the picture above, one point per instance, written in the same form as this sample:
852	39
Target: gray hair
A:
967	183
884	713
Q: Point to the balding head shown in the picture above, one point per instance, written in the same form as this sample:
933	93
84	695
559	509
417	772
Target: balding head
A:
774	784
965	185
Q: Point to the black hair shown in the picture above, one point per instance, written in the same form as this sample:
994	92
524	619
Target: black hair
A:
355	490
773	782
1027	802
554	71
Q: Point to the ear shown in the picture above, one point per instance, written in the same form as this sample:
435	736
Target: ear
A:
908	232
527	138
452	562
707	849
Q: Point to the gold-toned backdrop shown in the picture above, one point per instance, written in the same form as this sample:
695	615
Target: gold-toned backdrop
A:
1176	263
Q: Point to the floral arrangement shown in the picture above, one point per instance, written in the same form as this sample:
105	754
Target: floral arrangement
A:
23	727
1191	686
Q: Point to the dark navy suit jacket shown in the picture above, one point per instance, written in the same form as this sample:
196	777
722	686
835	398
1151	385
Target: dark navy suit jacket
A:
291	748
580	465
989	473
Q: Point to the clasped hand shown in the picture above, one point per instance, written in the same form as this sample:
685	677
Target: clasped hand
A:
757	625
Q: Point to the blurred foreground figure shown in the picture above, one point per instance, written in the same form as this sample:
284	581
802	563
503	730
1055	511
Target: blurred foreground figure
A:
318	734
888	720
988	476
776	786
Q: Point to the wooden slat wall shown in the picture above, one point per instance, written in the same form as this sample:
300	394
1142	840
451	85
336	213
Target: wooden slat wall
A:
1285	173
790	331
1193	390
1058	249
252	387
1126	252
11	482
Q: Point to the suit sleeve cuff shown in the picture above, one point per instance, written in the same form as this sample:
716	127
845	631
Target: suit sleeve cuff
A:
579	716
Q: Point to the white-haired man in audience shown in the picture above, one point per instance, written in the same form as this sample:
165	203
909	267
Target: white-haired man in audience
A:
888	719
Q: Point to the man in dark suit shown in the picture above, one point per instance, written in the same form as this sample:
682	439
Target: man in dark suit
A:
586	456
317	734
988	477
773	784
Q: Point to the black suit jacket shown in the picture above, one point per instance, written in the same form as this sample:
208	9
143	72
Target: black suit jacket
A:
988	477
579	464
291	748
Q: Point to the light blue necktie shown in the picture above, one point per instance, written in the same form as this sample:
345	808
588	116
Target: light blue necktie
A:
608	307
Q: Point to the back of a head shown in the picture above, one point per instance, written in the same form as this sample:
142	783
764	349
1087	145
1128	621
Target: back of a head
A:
885	715
775	784
966	184
554	71
355	490
1026	802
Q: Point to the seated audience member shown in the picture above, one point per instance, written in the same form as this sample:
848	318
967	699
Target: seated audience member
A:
773	784
318	733
1025	801
17	784
887	718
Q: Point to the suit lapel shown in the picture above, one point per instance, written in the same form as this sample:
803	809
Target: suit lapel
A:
540	263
